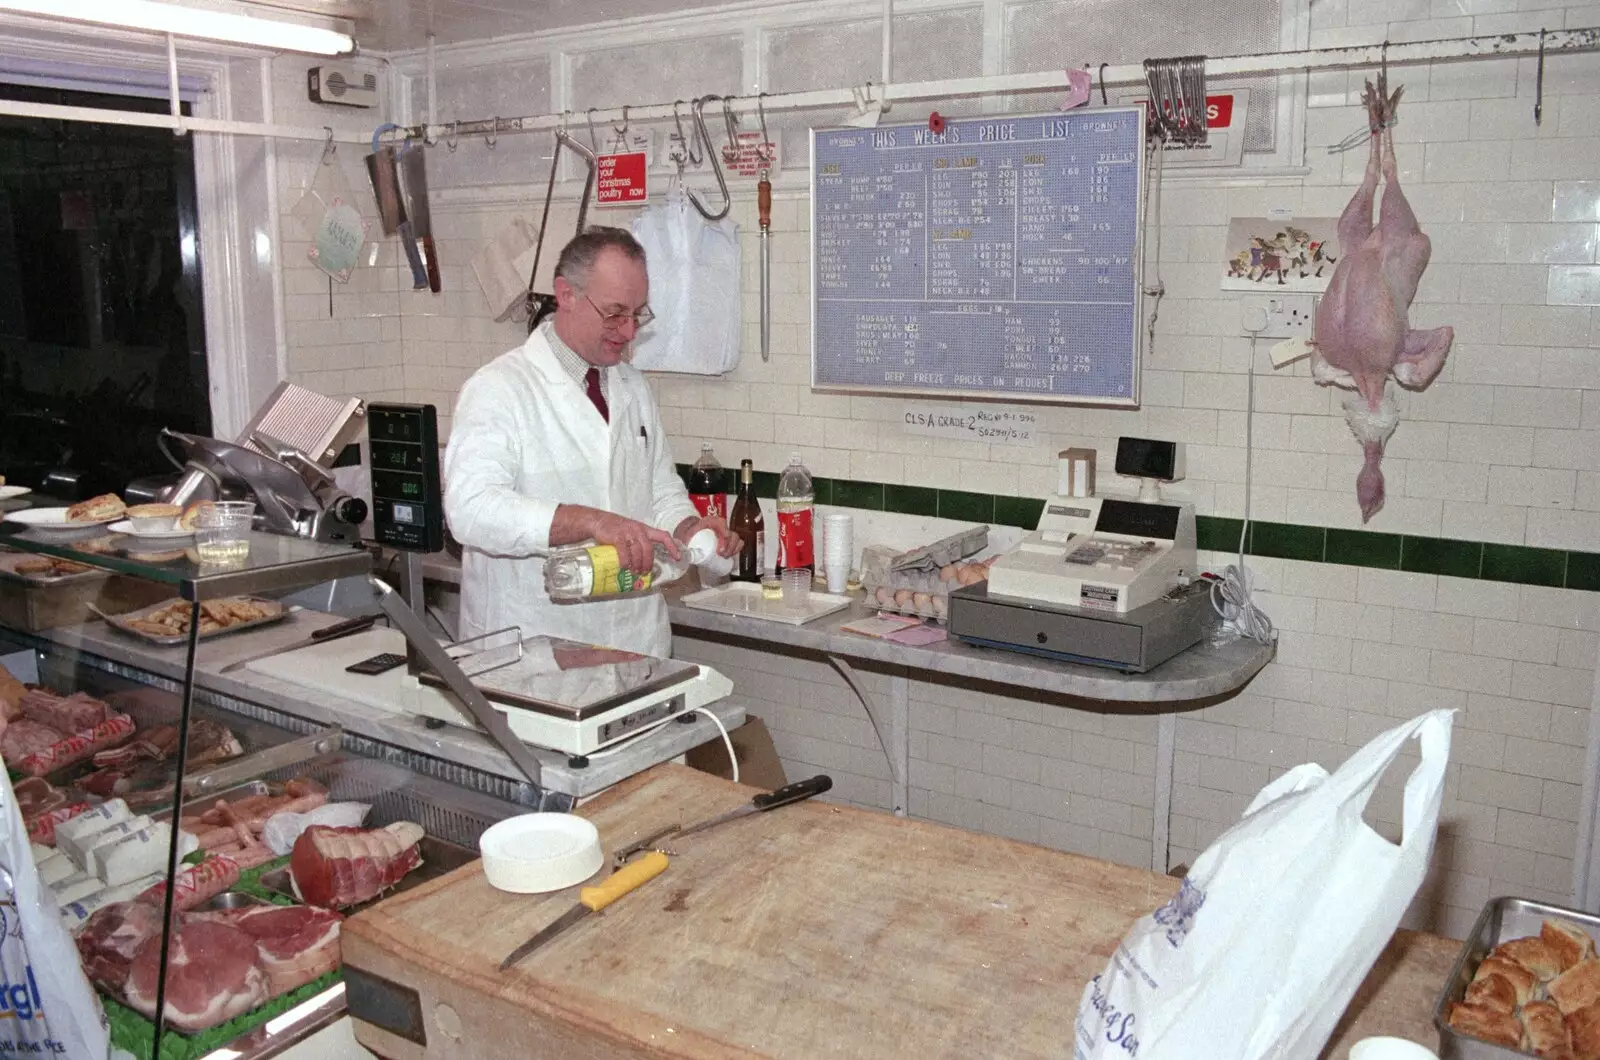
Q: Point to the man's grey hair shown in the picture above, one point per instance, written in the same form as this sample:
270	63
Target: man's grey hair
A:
578	257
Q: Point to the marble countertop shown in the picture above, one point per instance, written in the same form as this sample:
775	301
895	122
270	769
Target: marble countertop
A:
1202	672
459	744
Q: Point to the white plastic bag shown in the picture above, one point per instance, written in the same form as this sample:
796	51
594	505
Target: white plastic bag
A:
282	829
47	1006
1277	923
693	266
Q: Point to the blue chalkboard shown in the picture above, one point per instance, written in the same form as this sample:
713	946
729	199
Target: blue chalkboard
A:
999	258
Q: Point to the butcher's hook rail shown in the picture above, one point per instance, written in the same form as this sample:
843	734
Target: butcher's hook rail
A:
1490	46
716	167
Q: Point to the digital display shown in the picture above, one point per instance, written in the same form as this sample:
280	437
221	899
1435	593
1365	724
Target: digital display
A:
398	457
397	486
404	514
394	427
1133	519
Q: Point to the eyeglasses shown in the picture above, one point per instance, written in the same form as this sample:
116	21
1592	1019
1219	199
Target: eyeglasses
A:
613	321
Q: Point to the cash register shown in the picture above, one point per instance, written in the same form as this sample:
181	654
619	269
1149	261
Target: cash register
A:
1102	580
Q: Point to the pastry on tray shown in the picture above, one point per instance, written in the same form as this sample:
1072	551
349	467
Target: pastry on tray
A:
97	509
1538	994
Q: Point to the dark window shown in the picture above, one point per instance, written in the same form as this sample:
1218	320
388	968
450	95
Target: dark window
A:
101	337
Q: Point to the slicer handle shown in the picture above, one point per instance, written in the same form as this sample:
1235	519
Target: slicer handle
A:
800	789
623	881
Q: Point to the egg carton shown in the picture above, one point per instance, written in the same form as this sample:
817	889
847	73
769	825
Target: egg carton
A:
879	561
921	593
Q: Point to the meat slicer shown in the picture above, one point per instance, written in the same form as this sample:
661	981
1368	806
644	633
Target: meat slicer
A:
283	461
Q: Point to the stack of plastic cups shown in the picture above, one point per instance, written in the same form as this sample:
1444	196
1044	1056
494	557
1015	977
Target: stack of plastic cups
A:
838	549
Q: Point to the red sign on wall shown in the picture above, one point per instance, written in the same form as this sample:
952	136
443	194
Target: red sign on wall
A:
620	180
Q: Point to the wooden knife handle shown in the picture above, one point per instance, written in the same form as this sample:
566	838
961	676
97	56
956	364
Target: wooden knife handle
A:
799	790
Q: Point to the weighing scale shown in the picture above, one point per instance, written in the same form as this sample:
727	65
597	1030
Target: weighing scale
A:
572	697
1103	581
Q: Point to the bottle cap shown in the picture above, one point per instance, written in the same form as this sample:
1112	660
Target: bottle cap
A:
794	457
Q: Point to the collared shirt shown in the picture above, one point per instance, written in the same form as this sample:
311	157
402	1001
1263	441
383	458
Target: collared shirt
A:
570	362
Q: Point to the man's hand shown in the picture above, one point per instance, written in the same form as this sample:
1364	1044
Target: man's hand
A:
728	542
634	541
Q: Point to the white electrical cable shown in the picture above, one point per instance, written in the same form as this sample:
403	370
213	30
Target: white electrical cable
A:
727	741
1232	597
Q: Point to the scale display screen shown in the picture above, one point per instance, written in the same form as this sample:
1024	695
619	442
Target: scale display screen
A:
407	498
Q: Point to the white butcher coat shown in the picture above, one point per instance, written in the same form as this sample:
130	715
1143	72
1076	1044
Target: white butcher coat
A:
525	439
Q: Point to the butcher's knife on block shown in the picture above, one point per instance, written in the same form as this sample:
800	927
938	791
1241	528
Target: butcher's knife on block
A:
321	636
593	899
799	791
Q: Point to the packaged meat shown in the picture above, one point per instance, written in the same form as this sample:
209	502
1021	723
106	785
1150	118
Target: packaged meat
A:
42	829
73	713
55	868
77	847
36	796
212	975
141	854
77	886
23	737
75	914
69	833
339	867
196	884
77	747
100	843
295	944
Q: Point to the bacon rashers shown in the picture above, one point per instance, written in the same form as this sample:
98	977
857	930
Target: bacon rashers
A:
77	747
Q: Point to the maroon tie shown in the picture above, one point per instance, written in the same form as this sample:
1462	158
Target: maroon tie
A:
592	381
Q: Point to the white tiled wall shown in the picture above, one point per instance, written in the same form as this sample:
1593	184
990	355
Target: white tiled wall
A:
1504	447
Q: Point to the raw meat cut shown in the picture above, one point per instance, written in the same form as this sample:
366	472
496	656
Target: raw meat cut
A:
197	884
112	937
73	713
212	975
340	867
42	829
75	748
36	796
1362	334
24	737
154	743
296	944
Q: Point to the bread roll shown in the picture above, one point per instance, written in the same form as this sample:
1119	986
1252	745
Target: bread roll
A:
154	511
191	515
1532	953
1584	1028
1493	991
1569	941
1577	987
1543	1030
1519	977
1486	1024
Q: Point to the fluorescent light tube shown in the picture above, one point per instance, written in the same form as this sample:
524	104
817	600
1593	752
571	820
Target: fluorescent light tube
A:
190	22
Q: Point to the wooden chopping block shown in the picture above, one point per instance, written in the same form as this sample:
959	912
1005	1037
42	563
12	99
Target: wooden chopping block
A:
815	930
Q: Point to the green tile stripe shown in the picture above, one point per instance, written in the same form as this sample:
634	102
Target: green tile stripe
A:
1518	564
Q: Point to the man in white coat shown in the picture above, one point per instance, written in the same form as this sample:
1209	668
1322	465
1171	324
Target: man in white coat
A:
559	442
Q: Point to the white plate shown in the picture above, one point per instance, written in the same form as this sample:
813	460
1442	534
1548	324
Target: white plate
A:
7	492
54	520
126	527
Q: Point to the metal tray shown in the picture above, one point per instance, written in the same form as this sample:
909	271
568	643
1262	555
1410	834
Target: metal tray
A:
120	622
438	857
1501	919
8	564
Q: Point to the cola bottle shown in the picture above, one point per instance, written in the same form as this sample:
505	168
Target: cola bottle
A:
795	504
707	485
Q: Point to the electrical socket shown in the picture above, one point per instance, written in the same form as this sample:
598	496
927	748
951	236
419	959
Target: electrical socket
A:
1289	316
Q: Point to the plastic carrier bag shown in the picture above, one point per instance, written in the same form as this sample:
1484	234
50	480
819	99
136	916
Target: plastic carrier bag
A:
1277	923
47	1007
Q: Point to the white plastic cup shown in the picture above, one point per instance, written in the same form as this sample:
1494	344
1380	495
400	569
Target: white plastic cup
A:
1390	1049
222	533
838	549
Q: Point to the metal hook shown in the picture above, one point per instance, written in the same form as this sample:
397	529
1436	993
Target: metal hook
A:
722	183
594	145
622	130
766	152
1538	85
1103	83
450	139
329	148
492	137
730	151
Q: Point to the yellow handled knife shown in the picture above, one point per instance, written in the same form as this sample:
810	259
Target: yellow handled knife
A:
593	899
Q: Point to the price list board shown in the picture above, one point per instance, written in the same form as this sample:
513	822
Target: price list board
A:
998	258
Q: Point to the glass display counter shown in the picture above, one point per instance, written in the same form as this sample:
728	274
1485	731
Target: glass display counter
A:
202	851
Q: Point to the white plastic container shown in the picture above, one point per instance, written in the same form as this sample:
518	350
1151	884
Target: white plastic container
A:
539	852
1390	1049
